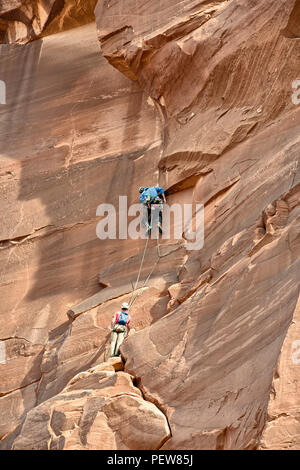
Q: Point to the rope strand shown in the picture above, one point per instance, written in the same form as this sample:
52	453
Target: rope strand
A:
139	273
133	299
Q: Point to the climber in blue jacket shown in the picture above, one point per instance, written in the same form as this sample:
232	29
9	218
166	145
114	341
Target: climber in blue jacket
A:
152	196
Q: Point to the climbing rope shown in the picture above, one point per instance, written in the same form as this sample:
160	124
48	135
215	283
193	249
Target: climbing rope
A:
134	298
140	270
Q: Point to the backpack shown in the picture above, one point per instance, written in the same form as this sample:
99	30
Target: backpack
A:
123	318
152	192
149	194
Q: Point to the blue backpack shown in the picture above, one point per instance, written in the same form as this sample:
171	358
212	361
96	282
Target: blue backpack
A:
152	192
123	318
149	194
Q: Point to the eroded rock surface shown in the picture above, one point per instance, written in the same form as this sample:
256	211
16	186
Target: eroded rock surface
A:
196	97
71	128
99	409
283	421
22	21
221	74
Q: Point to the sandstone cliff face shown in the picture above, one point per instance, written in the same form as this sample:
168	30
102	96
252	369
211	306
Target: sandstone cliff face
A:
201	103
24	20
71	129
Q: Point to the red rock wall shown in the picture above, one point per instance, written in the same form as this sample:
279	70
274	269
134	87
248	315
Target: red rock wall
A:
71	129
201	102
22	21
222	74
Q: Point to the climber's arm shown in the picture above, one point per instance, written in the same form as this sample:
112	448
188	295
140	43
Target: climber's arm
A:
161	193
113	321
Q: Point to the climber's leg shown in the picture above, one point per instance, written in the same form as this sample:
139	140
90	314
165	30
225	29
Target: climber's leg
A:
113	343
148	221
120	340
145	219
157	218
159	224
149	215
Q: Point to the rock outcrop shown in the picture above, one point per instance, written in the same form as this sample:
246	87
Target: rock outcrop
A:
99	408
200	98
22	21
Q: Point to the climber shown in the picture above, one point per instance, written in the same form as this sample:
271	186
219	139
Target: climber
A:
152	197
119	329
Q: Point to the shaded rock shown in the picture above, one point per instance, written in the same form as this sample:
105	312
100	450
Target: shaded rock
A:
117	363
23	365
13	408
24	20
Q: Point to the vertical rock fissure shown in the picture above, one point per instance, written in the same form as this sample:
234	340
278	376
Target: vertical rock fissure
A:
137	381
